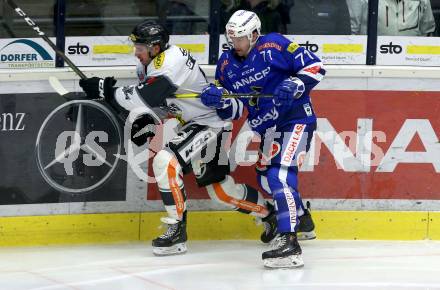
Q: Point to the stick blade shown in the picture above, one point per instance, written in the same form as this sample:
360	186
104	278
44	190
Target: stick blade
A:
57	86
61	90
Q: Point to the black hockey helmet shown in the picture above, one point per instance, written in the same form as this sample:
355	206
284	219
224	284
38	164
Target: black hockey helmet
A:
150	32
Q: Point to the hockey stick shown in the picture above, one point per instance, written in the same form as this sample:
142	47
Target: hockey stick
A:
59	88
226	96
46	39
196	94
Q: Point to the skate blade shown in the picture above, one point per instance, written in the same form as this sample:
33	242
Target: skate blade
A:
294	261
303	236
173	250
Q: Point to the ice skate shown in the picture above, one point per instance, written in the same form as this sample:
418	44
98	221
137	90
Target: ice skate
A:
286	252
173	241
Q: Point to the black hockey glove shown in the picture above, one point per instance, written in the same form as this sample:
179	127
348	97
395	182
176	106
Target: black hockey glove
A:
97	88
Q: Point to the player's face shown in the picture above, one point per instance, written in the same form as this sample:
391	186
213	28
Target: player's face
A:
241	45
146	53
141	51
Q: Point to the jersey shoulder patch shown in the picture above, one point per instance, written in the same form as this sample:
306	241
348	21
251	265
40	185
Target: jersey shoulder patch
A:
159	60
293	46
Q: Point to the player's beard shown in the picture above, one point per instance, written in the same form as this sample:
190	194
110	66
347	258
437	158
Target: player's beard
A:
145	60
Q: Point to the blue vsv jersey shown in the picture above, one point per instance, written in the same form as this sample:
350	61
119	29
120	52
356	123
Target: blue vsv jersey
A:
273	59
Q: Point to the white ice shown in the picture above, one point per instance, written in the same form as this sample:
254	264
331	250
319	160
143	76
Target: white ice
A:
222	265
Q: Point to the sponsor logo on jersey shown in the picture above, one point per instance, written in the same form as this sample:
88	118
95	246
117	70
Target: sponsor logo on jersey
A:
251	79
158	60
293	144
271	115
292	208
292	47
197	144
270	45
248	71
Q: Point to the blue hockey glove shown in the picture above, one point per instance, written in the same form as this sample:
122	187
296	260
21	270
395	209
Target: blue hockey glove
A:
211	96
287	91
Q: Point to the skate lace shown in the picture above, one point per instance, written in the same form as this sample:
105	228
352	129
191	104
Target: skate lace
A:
170	232
278	242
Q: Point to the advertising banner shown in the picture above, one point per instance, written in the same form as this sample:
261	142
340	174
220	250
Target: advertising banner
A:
100	50
332	49
118	50
56	151
405	50
25	53
368	145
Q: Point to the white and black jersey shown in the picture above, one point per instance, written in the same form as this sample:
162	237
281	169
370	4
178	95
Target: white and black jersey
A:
173	71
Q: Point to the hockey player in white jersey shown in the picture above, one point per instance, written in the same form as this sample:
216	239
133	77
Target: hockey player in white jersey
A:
163	71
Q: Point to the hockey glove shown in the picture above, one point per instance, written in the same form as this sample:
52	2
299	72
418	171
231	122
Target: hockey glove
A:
211	96
97	88
287	91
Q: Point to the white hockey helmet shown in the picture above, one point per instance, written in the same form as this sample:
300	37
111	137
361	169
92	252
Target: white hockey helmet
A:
243	23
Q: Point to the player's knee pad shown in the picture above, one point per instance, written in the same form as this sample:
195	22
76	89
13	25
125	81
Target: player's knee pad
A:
167	170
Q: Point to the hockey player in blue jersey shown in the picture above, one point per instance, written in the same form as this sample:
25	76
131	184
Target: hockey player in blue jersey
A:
271	64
